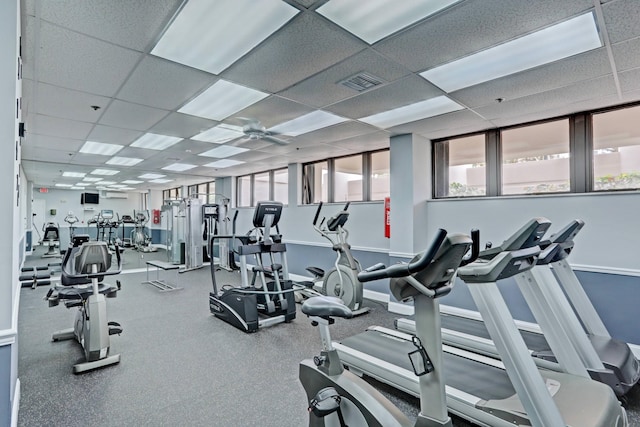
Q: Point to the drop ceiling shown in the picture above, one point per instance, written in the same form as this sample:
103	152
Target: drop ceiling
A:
89	75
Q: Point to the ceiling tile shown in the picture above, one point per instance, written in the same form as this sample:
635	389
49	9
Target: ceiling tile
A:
472	26
577	68
163	84
630	80
44	155
324	88
621	19
296	43
131	116
54	126
627	54
450	122
132	24
54	143
271	111
182	125
136	153
69	59
69	104
397	94
113	135
588	92
337	132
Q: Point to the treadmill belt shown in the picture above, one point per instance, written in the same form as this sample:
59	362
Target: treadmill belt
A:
483	381
534	341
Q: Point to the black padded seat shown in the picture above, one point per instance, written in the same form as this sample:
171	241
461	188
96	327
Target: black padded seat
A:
77	293
79	261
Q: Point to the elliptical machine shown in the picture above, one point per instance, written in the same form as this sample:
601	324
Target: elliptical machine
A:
84	266
139	237
338	397
342	280
71	219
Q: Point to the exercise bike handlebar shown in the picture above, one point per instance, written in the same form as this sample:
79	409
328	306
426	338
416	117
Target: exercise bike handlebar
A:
380	271
315	218
475	248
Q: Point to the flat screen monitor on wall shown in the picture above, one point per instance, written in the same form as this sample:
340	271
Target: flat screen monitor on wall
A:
89	198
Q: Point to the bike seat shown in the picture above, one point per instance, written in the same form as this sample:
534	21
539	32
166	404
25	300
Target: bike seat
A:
323	306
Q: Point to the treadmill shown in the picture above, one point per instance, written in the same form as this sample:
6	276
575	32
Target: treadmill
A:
483	390
600	356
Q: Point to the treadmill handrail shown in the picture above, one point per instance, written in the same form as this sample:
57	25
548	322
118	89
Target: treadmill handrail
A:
379	271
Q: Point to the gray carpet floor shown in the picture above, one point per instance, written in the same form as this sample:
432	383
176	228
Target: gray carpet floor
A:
180	365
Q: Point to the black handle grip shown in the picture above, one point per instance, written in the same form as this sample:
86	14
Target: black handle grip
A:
403	270
235	217
346	206
375	267
475	248
315	218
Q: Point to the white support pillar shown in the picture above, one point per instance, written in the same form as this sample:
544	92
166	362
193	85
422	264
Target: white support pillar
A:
410	190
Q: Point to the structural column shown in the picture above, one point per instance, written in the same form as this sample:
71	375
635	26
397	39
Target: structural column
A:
410	190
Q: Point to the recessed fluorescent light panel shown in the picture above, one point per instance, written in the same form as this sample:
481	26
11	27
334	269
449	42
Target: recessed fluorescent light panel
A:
100	148
123	161
151	176
74	174
132	181
76	187
219	134
117	186
224	151
221	100
105	183
154	141
160	181
104	172
64	185
179	167
230	28
90	179
308	123
410	113
577	35
224	163
372	20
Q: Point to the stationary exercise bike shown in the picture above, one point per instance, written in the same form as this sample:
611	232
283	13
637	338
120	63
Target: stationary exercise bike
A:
52	237
84	266
338	397
342	280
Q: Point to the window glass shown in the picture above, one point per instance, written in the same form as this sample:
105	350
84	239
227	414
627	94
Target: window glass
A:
202	191
261	187
380	175
535	159
348	179
616	150
244	190
316	182
463	163
281	186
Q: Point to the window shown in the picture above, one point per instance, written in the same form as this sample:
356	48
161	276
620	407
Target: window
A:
316	182
359	177
270	185
461	166
261	186
380	175
347	181
535	159
281	186
616	150
244	191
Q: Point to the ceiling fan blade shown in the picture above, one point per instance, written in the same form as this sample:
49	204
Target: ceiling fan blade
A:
275	140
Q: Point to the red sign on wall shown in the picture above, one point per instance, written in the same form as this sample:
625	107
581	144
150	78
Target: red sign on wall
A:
387	218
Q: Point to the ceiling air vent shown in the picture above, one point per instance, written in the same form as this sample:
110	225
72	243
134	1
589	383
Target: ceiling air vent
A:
362	81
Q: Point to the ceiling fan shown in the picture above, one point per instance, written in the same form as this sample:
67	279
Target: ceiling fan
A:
253	129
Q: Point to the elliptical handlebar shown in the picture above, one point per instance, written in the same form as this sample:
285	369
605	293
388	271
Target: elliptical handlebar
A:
315	218
475	248
380	271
